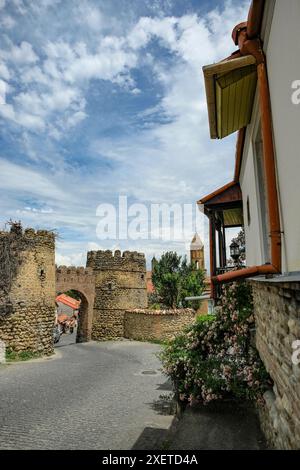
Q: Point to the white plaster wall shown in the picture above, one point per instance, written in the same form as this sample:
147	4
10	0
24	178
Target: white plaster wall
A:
283	62
282	49
254	254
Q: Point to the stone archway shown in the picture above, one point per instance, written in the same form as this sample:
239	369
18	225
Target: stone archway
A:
80	280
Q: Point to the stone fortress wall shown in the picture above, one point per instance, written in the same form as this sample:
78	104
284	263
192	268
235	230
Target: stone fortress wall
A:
27	290
120	285
110	285
156	325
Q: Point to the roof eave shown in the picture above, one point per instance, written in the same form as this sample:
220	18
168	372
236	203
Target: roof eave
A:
216	192
210	72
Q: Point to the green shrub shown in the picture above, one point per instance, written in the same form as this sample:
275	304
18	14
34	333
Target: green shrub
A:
13	356
213	358
154	307
205	318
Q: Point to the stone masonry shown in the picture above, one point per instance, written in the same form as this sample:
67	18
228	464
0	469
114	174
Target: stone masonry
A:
120	285
277	314
156	325
27	290
110	285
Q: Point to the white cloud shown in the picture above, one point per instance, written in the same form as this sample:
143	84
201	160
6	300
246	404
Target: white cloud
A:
22	54
61	80
34	75
19	6
32	109
38	211
27	120
41	6
108	63
60	51
90	15
4	72
78	259
136	91
7	22
3	88
21	179
76	118
76	63
148	28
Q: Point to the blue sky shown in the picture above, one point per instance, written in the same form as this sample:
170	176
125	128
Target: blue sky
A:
106	97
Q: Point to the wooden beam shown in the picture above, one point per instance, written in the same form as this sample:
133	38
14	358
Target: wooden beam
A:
212	250
227	65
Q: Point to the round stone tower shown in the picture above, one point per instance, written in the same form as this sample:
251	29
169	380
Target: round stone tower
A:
120	285
27	290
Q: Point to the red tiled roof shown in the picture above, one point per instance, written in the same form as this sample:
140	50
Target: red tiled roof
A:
69	301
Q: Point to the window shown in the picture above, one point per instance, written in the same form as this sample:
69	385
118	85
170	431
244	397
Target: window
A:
262	198
42	273
248	212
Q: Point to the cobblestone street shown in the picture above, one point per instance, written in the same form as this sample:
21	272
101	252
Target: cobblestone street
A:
89	396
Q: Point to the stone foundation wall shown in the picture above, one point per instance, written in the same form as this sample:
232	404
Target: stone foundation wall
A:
27	290
156	325
120	284
277	314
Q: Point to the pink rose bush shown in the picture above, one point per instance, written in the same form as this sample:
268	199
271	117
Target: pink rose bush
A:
213	359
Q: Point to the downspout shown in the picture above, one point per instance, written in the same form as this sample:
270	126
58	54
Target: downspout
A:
255	18
252	46
270	166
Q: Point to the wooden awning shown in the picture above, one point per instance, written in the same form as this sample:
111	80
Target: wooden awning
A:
226	200
230	88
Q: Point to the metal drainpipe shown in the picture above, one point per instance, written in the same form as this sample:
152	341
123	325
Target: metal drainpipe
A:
270	168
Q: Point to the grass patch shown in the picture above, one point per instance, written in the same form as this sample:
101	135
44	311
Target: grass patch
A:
156	341
13	356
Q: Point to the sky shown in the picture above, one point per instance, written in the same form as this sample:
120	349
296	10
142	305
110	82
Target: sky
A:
105	98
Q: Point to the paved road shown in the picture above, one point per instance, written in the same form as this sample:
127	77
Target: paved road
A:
218	426
90	396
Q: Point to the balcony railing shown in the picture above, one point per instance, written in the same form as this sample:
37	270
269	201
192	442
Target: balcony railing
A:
223	270
226	269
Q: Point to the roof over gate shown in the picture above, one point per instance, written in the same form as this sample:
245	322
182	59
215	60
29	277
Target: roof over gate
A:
69	301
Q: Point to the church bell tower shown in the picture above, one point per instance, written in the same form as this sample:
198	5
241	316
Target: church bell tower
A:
197	252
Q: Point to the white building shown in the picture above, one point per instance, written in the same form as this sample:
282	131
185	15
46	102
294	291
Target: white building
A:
256	91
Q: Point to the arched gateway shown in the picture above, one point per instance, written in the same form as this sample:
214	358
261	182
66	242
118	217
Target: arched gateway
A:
81	280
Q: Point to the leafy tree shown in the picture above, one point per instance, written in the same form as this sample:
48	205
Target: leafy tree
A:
191	284
174	279
165	278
